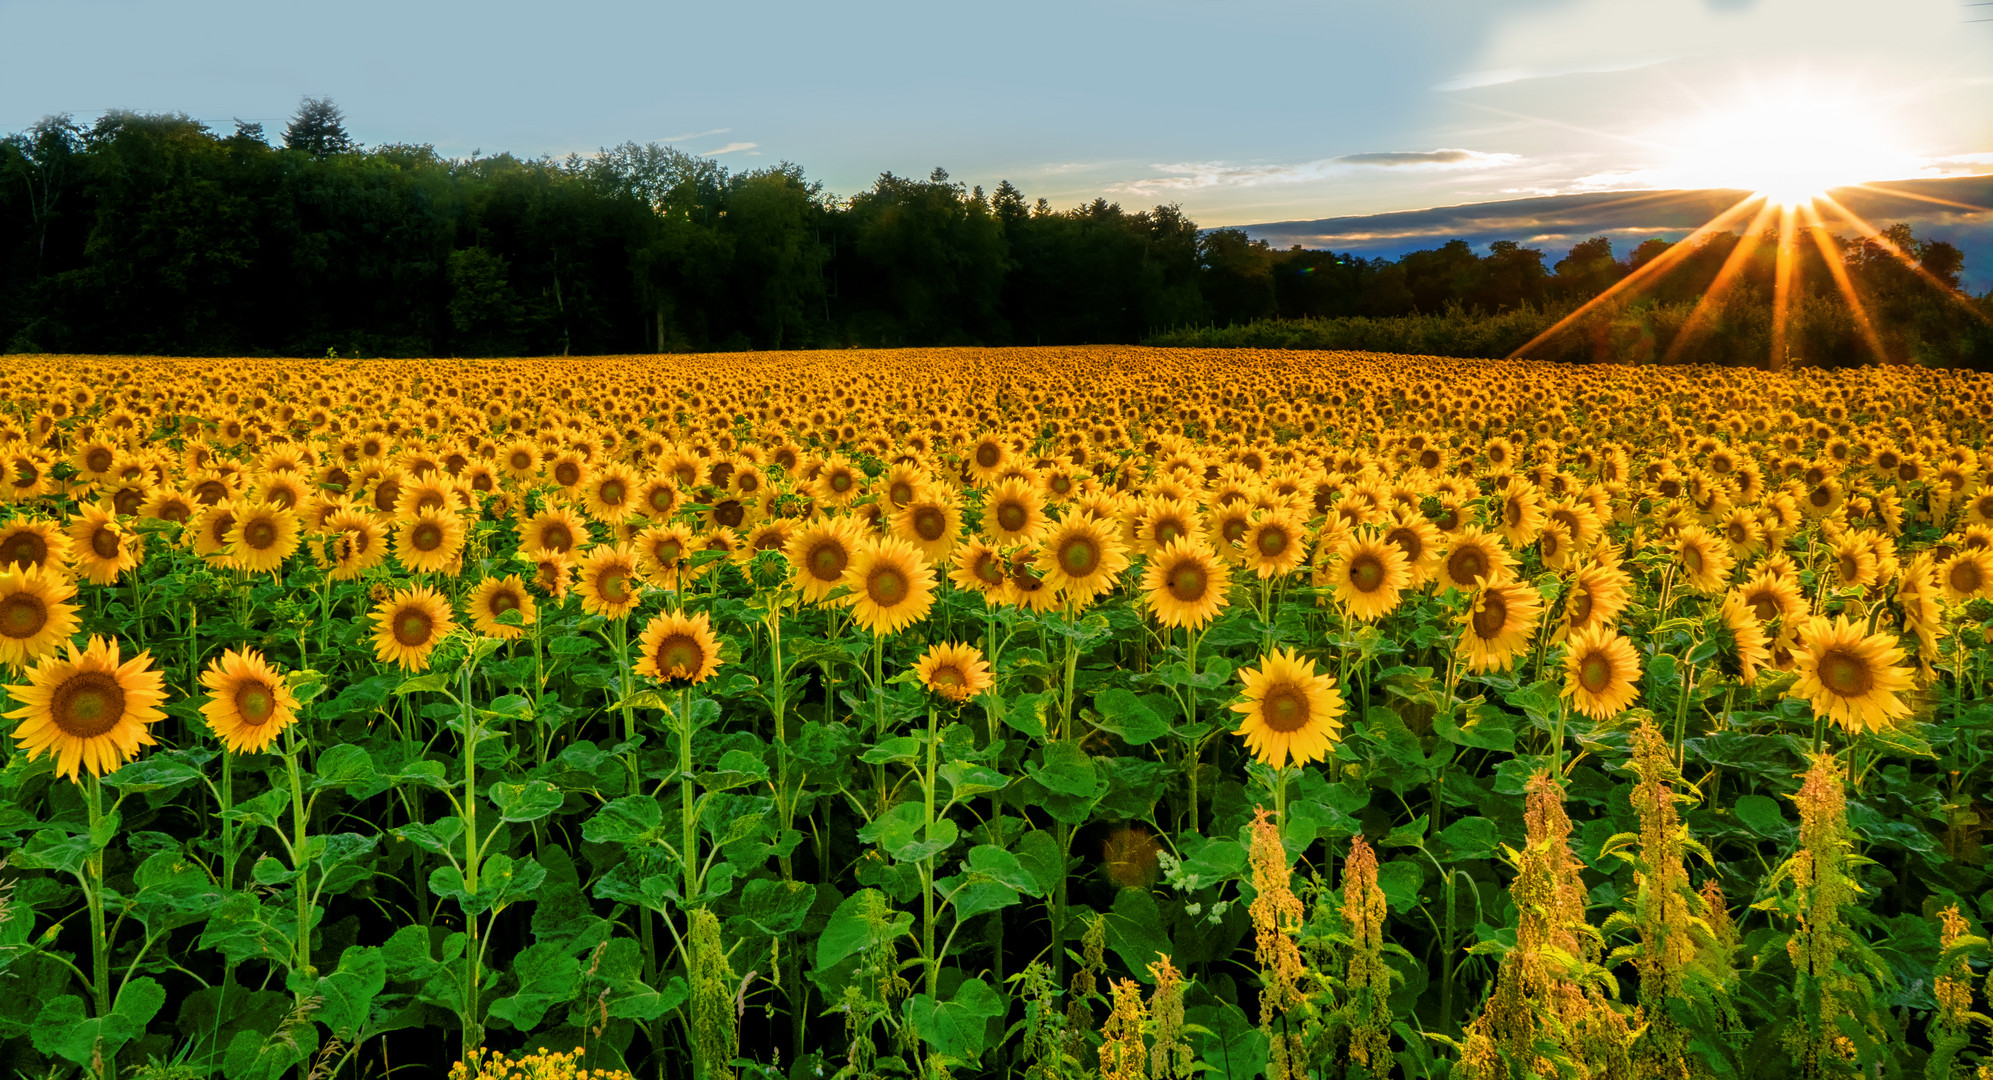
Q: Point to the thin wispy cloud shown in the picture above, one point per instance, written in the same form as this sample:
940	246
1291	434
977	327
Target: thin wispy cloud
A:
730	148
1475	80
694	135
1204	175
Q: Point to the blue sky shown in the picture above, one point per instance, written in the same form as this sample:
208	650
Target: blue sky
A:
1240	110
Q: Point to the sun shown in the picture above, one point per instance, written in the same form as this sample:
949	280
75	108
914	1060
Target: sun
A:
1789	147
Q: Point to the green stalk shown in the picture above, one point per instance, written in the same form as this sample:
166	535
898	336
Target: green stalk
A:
689	833
93	891
227	823
778	706
473	1036
626	686
927	864
1192	637
302	960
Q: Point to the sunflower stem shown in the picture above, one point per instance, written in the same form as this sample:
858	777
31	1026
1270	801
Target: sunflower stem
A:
1190	718
933	962
689	826
629	714
93	889
227	822
473	1035
778	707
299	860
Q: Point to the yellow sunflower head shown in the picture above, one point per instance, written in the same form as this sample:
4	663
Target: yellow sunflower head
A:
1081	558
891	586
1850	677
90	710
1289	711
35	616
1498	626
430	540
409	624
954	671
679	648
494	597
608	580
1185	584
1369	575
248	703
1601	672
821	552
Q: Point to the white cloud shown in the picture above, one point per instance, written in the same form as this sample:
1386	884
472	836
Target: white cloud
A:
1202	175
1474	80
729	148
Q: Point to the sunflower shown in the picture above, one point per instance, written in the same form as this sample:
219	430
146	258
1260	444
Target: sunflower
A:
26	475
1554	544
494	597
1227	526
1848	678
839	484
409	624
89	710
209	535
1771	595
1413	535
1499	625
1013	513
1472	555
520	461
25	543
430	541
663	553
678	648
987	458
1601	672
978	567
1967	574
1855	563
556	529
1290	711
657	498
608	581
1917	599
1023	587
930	521
891	586
569	471
1165	521
248	703
1368	574
1742	530
1185	584
902	484
35	616
261	537
166	504
359	543
1274	544
1705	560
821	552
1081	558
1522	514
956	672
553	574
284	488
101	548
610	494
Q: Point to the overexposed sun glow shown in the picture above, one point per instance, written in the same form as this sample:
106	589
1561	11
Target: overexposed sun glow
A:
1788	147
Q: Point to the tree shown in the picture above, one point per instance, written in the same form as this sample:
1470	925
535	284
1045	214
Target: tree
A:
318	129
43	156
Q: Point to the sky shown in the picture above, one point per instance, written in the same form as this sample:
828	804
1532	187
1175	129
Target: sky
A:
1240	111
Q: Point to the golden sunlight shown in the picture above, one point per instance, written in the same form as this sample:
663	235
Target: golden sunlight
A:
1789	147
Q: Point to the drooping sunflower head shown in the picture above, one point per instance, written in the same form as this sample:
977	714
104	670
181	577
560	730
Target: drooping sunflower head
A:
1081	558
35	615
1185	584
679	649
1704	559
954	671
1290	712
248	702
409	624
492	598
1601	672
891	586
609	581
90	710
1420	542
1967	574
665	553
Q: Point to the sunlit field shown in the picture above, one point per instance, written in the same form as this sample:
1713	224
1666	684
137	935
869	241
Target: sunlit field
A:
1051	713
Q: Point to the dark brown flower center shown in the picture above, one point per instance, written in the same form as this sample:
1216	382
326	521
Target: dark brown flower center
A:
555	537
567	474
679	656
1407	540
412	627
1079	556
929	524
98	460
1845	673
87	704
1285	708
426	537
1492	616
1581	607
611	493
1467	563
1595	672
1273	541
210	492
1965	577
1366	573
503	601
1011	516
614	585
988	454
104	542
22	615
1188	581
1168	531
729	512
256	703
260	534
886	586
26	549
827	560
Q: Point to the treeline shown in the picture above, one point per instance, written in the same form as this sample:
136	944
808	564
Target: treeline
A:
152	233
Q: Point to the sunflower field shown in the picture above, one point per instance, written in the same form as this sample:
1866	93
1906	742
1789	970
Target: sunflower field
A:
1062	713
